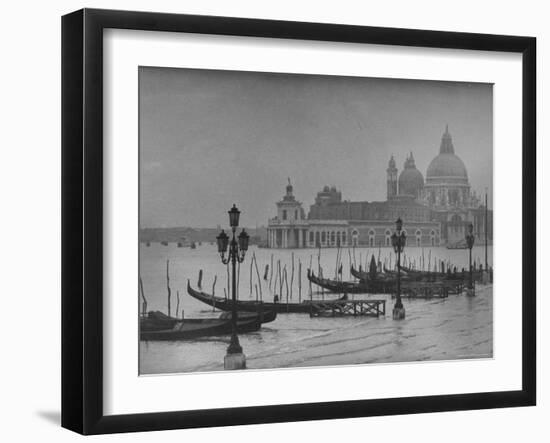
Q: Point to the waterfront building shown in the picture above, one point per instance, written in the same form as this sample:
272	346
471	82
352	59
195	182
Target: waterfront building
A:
436	211
289	228
447	193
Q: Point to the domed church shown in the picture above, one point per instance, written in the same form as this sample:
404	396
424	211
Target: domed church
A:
435	212
446	191
446	178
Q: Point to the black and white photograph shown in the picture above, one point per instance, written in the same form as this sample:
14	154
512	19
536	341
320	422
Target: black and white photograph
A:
269	222
294	220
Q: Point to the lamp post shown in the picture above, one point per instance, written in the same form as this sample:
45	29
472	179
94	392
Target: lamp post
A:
234	359
398	240
470	238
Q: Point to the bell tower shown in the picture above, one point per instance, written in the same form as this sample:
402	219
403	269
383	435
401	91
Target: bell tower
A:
391	179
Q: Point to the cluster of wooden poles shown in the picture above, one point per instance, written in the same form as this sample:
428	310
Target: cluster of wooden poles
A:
276	275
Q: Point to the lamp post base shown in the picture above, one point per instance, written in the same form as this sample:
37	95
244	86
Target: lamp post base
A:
485	277
398	313
234	361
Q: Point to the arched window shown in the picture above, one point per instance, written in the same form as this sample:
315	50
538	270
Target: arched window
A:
344	238
355	237
317	239
296	214
332	238
418	237
388	237
284	214
432	237
371	237
338	239
311	237
323	237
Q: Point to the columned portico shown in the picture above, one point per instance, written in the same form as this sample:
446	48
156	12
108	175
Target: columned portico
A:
288	228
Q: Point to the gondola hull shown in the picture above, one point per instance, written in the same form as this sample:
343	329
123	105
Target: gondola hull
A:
361	287
386	286
477	275
159	327
249	305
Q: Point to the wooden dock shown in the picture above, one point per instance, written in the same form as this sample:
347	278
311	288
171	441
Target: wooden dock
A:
341	308
426	290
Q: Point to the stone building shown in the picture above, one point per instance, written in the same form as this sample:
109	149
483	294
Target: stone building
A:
289	228
435	212
447	193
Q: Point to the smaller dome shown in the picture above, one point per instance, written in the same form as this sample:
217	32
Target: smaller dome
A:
411	180
326	189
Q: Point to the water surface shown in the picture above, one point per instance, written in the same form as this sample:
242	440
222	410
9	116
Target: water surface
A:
457	327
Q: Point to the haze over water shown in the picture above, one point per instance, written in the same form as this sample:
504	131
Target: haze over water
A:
439	329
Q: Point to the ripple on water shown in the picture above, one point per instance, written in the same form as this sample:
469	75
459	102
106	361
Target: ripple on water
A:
433	329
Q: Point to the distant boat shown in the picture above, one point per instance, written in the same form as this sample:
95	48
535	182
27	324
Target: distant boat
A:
461	244
180	244
193	245
164	243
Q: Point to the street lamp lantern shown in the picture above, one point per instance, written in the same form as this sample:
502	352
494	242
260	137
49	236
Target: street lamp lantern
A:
234	214
398	241
238	246
399	224
398	238
470	239
223	241
243	241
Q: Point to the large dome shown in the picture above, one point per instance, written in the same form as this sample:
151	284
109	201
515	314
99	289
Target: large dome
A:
446	165
411	180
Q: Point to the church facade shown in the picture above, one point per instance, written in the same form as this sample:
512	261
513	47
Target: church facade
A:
435	211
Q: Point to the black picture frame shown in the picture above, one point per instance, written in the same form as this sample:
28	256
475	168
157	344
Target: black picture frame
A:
82	220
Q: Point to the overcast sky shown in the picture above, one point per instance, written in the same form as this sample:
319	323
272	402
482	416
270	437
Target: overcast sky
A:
209	139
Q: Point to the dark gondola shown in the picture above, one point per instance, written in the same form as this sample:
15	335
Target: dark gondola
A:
364	275
388	286
249	305
159	327
344	287
477	275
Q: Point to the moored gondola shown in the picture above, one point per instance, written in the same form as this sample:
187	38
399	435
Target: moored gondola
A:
477	275
159	327
364	275
249	305
388	286
377	286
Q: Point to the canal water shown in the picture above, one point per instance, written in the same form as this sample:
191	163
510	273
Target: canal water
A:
457	327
